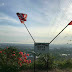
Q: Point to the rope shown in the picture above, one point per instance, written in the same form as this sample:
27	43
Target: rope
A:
57	35
29	33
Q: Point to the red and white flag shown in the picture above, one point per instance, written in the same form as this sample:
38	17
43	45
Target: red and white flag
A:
70	23
22	17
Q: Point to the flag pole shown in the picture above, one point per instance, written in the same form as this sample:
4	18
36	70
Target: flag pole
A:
29	33
58	34
23	19
34	43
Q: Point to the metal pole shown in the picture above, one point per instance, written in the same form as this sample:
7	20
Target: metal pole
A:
34	62
29	33
47	62
47	65
58	34
34	57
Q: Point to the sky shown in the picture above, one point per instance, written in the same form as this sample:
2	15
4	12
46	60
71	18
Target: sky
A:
45	19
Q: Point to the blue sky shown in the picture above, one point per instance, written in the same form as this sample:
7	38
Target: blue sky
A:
46	18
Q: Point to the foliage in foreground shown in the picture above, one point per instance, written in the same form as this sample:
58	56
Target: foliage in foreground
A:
11	60
45	61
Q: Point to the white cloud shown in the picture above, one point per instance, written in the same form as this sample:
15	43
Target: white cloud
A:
40	34
14	34
68	12
7	18
2	4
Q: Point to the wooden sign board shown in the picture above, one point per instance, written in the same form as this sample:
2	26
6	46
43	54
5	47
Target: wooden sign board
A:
41	47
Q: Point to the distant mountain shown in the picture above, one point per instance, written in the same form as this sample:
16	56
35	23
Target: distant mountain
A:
58	46
20	46
31	46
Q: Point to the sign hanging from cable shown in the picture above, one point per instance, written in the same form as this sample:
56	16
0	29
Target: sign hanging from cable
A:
41	47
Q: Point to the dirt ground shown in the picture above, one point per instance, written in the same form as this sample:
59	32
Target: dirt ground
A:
55	70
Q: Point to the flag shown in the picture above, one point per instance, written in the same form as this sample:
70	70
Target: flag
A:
70	23
22	17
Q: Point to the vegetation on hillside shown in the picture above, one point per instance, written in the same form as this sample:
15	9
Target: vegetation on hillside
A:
13	60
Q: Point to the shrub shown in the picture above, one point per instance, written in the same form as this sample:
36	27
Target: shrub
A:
45	61
65	64
11	60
